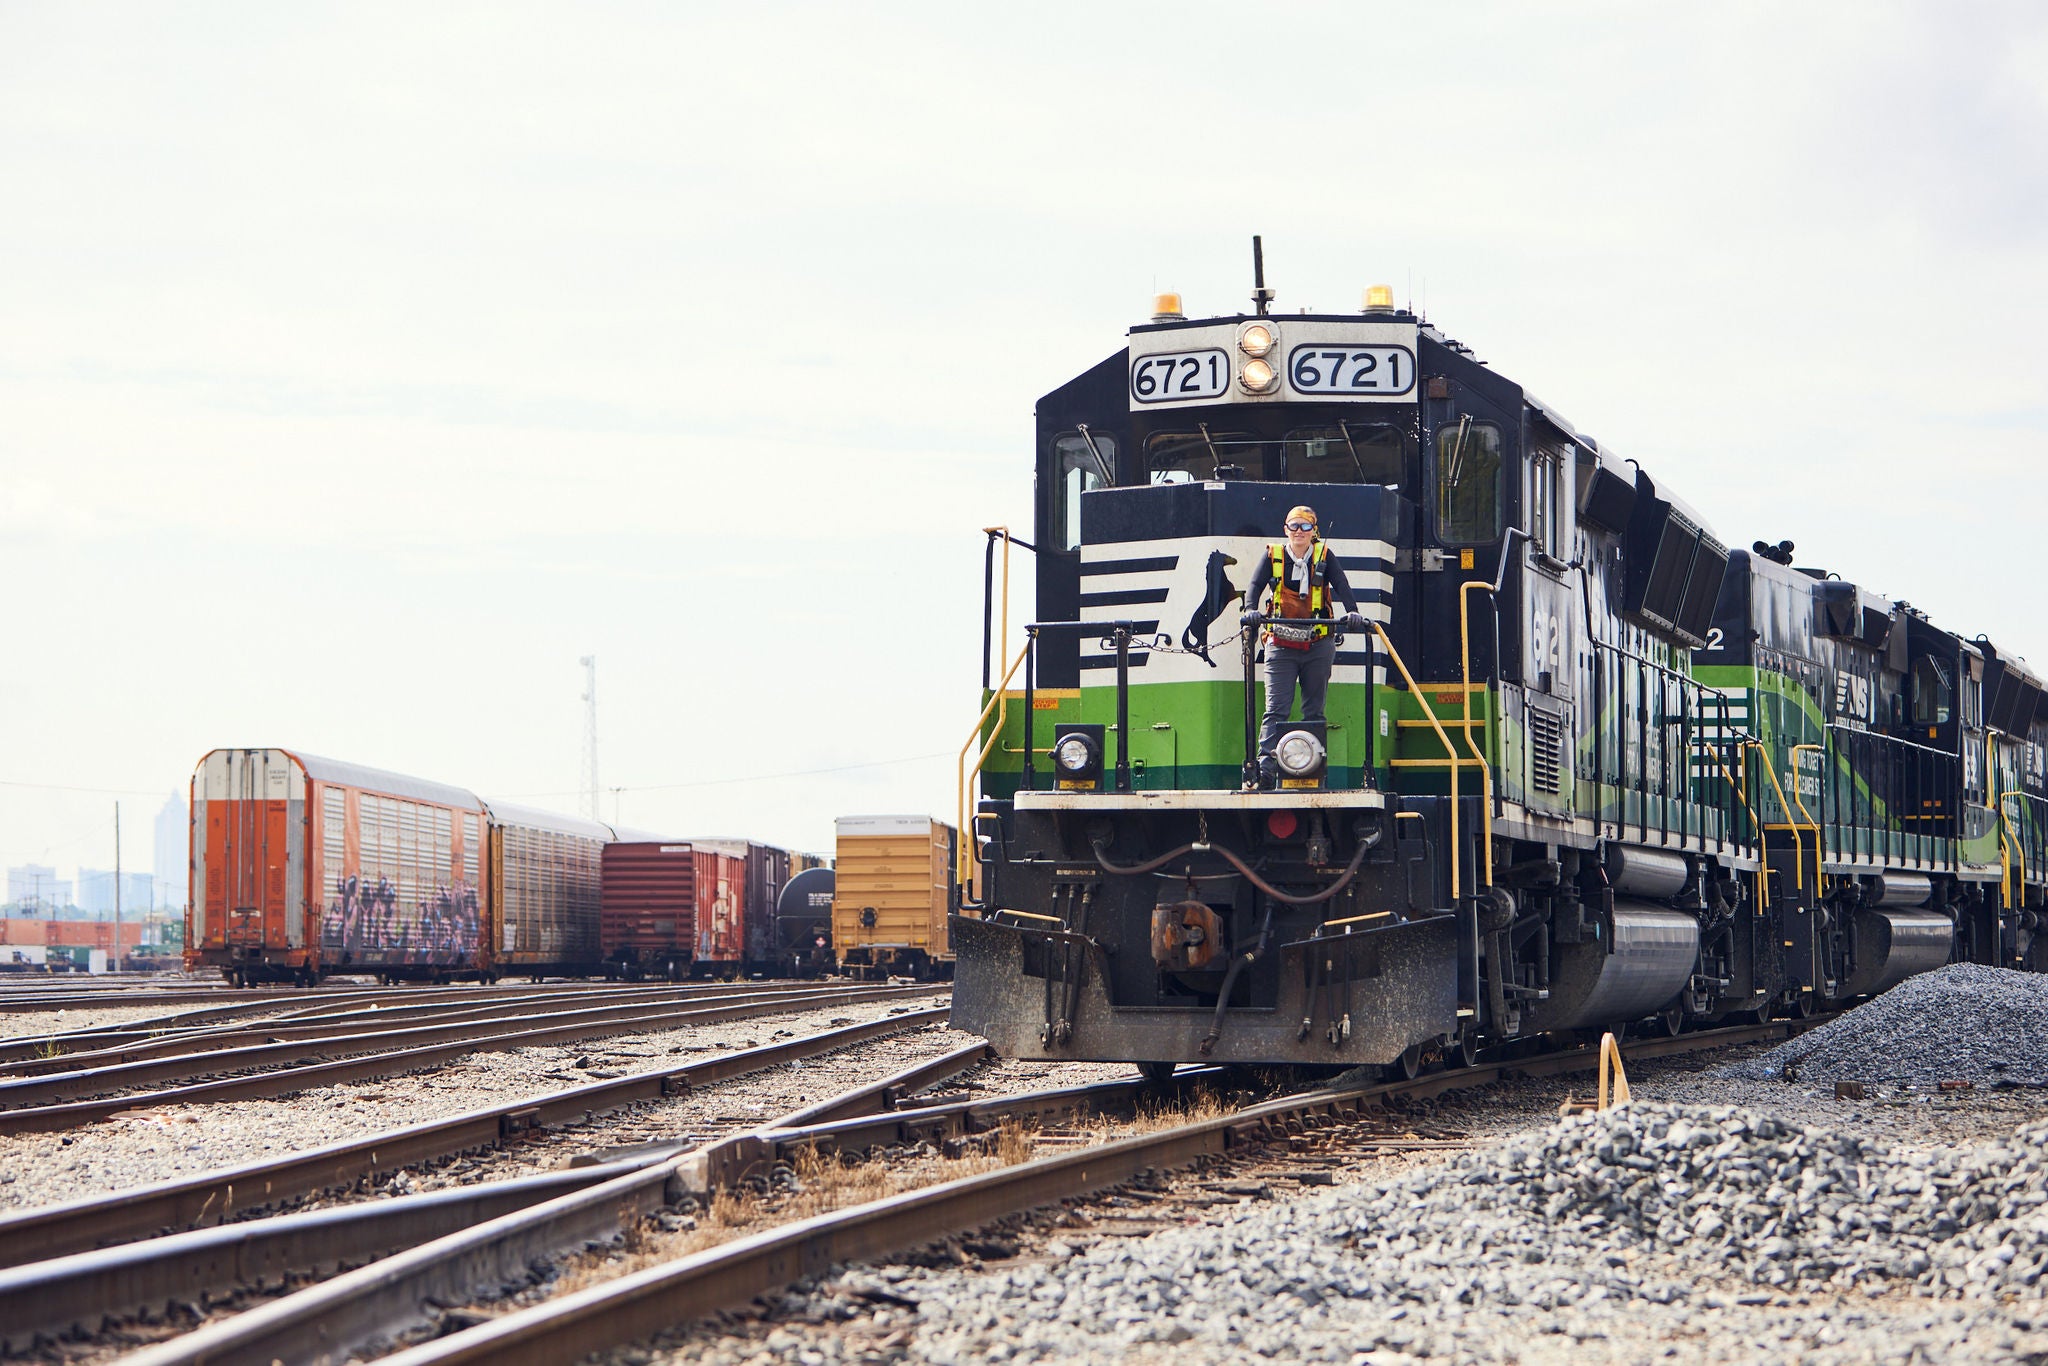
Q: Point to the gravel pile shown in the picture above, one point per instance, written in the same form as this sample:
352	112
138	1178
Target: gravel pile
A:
1621	1229
1963	1022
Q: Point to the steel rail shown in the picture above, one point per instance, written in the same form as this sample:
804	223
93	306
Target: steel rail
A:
729	1162
639	1305
219	1196
118	997
208	1014
388	1295
32	1058
368	1000
84	1290
62	1115
62	1078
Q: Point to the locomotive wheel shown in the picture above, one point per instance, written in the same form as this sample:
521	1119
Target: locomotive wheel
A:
1157	1071
1408	1066
1672	1022
1465	1051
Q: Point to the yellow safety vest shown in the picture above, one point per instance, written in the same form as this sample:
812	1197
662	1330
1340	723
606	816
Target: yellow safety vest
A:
1288	603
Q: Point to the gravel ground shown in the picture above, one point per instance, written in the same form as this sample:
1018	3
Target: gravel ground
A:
1964	1022
34	1024
156	1144
1803	1228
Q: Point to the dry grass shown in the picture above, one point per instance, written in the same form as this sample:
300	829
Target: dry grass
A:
825	1184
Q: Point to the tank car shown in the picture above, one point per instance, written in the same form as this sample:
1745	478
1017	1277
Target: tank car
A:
1585	768
803	920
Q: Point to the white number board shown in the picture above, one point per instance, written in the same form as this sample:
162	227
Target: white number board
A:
1334	371
1177	376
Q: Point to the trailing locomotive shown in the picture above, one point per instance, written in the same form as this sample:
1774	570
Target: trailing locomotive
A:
1585	767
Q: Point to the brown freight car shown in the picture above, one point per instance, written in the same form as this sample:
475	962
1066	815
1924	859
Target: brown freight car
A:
705	907
672	910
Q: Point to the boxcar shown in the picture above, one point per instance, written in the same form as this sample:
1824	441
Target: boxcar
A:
755	895
893	888
673	908
546	890
303	865
649	923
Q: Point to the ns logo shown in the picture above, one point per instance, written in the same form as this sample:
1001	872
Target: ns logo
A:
1852	696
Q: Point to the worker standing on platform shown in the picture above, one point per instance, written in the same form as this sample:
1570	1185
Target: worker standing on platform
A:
1302	576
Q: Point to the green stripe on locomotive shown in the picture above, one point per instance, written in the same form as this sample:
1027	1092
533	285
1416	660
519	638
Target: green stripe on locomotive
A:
1187	736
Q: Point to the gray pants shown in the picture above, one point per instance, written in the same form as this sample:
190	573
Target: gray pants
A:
1284	669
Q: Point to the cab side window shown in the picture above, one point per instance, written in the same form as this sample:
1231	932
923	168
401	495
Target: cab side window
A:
1931	702
1076	471
1549	507
1467	471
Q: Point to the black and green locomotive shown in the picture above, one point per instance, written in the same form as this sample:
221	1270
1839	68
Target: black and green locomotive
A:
1587	767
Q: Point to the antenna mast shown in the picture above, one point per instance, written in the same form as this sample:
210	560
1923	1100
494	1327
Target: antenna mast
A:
590	806
1261	296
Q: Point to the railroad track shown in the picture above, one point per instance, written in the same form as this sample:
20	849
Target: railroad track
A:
439	1249
541	1217
44	1103
111	1044
55	1294
637	1306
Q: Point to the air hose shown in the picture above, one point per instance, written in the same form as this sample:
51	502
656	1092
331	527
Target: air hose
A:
1366	844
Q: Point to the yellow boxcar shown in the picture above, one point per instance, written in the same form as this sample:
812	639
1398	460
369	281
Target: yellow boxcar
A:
892	890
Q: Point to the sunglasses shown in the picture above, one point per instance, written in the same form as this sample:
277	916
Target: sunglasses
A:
1301	526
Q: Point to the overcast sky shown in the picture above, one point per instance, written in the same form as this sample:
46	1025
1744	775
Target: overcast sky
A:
362	366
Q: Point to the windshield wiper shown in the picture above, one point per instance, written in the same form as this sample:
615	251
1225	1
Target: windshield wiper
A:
1101	465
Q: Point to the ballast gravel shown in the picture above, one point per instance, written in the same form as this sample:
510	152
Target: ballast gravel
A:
156	1143
1963	1022
1646	1233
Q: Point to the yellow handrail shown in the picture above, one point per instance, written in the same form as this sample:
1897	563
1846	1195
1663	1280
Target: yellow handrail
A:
2006	848
1798	844
1485	770
963	861
1820	776
1763	895
1450	752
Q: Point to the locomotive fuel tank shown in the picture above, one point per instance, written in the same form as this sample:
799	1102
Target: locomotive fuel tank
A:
1634	971
1892	945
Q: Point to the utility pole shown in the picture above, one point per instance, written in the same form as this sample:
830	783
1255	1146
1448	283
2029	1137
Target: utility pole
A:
591	807
117	886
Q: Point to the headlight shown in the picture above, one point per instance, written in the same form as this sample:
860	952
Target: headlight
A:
1255	339
1257	377
1299	754
1074	754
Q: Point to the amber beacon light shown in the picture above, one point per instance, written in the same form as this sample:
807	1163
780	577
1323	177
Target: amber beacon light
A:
1379	298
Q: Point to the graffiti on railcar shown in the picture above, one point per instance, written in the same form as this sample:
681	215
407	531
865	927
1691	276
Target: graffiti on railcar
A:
367	922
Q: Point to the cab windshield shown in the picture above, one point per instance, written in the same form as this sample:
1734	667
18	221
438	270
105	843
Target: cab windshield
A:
1342	454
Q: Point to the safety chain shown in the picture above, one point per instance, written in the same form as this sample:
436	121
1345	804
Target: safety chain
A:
1162	643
